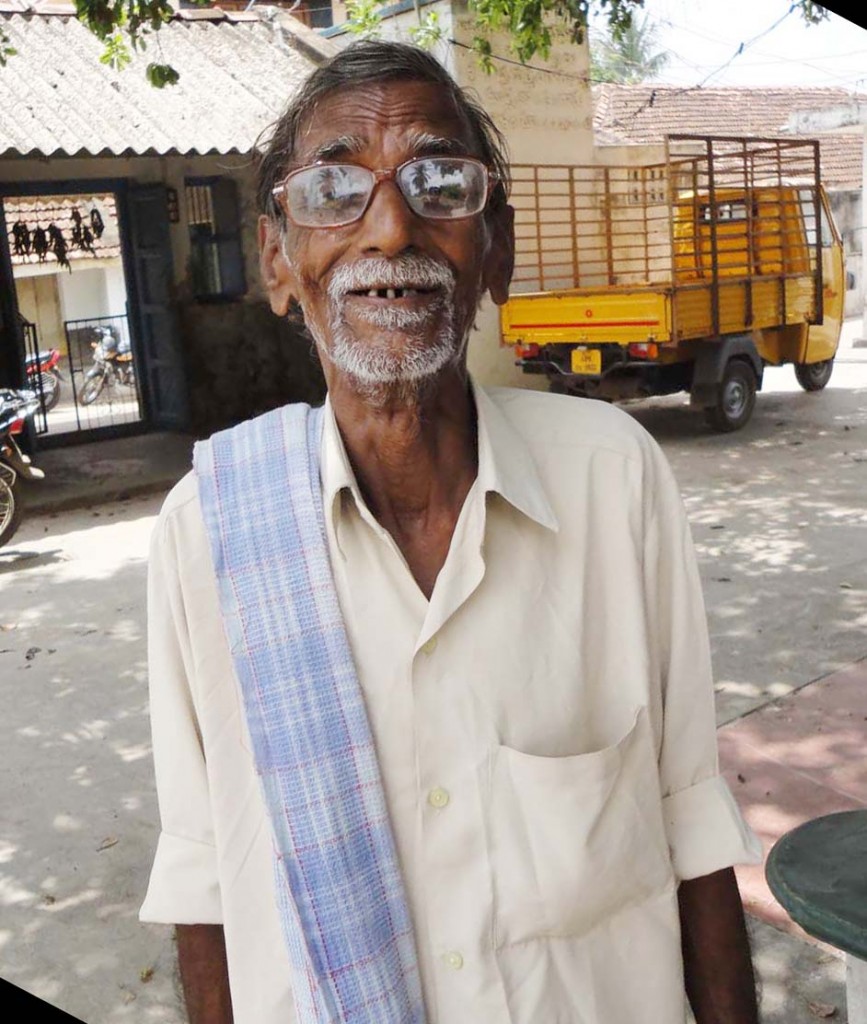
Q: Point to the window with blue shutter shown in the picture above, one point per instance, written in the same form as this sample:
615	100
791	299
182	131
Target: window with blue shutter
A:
216	254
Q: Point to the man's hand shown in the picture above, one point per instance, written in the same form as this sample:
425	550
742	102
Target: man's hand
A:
204	973
716	953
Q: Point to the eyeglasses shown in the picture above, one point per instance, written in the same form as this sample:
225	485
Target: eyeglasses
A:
435	187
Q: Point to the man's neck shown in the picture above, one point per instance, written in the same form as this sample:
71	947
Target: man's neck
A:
415	458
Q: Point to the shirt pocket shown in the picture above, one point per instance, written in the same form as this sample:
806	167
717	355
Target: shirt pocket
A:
575	840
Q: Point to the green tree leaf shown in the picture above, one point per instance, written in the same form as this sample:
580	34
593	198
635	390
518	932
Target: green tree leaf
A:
428	32
161	75
7	50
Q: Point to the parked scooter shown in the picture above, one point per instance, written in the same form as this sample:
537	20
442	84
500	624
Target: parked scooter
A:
15	407
112	361
44	376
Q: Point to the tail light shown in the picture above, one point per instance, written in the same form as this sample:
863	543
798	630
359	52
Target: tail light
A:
526	351
643	350
17	426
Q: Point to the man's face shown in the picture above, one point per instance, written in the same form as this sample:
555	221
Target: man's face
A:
390	298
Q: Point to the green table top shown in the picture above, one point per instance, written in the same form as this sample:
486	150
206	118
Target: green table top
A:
818	872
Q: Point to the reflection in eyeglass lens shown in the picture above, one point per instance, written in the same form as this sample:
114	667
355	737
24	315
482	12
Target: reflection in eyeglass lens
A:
440	188
328	194
444	188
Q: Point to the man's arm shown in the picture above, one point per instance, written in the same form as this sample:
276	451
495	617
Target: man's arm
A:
204	973
716	953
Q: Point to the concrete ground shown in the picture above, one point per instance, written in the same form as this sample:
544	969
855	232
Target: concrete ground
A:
780	524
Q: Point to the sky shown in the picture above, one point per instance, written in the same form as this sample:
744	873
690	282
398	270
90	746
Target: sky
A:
704	35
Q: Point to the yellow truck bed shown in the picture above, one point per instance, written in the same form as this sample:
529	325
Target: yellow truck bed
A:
719	239
625	314
688	275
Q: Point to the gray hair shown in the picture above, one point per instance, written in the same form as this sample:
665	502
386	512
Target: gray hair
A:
373	61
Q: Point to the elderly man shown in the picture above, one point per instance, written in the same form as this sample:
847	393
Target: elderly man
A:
431	699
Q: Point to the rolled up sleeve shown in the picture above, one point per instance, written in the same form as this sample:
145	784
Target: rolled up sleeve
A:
183	887
705	829
183	884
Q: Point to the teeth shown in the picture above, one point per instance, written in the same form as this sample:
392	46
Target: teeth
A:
390	293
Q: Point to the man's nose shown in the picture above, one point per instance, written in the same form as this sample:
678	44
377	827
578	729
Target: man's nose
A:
389	226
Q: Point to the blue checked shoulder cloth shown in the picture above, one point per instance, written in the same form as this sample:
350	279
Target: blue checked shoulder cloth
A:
341	896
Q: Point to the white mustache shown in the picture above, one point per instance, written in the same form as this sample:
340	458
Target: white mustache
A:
405	271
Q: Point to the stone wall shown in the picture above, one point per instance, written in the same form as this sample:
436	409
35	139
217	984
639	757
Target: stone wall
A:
242	360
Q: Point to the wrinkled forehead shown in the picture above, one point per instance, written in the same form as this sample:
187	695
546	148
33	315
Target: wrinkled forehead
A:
384	120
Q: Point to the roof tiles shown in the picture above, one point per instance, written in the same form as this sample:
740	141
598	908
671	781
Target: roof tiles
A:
57	98
646	113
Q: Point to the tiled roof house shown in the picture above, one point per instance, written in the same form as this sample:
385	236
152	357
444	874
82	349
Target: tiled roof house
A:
635	114
171	172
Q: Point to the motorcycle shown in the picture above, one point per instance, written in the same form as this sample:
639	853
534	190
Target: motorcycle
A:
44	376
15	407
112	360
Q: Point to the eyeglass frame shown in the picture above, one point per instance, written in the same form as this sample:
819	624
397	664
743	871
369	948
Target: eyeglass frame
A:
278	192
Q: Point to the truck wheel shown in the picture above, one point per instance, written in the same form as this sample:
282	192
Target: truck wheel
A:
736	397
814	376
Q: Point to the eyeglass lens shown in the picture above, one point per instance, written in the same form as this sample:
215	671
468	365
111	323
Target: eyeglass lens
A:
441	188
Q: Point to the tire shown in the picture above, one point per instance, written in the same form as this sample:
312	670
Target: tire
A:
10	511
814	376
50	390
92	388
736	397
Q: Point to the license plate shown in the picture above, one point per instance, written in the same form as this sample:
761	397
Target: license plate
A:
586	360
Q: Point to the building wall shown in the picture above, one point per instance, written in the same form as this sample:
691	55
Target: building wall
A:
115	289
846	208
83	294
39	302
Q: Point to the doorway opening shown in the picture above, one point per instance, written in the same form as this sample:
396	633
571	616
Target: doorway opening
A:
73	302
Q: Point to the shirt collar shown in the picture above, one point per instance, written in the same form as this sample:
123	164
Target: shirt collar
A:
506	466
336	472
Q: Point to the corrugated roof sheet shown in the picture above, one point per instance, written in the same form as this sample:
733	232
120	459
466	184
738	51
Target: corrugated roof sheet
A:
57	98
646	113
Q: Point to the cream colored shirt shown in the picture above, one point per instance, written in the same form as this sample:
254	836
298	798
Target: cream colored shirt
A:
544	726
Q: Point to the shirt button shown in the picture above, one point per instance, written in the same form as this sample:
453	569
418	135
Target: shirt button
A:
430	646
454	960
438	797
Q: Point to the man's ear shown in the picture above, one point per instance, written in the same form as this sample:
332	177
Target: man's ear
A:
500	260
277	276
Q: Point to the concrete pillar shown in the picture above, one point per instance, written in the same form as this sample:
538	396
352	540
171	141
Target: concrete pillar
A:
545	111
863	238
856	990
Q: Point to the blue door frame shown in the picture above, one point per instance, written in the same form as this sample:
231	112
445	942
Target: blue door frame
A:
121	188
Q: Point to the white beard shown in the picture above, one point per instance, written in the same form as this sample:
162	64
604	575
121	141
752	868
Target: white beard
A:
379	370
381	367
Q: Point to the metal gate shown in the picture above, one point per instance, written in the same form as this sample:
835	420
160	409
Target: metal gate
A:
102	374
34	379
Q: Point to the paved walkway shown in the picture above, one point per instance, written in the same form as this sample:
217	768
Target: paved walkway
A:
797	758
85	474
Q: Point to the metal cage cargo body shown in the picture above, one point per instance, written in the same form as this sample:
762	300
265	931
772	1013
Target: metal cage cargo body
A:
690	274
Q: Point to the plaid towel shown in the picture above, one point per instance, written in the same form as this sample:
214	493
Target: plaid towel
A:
342	902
